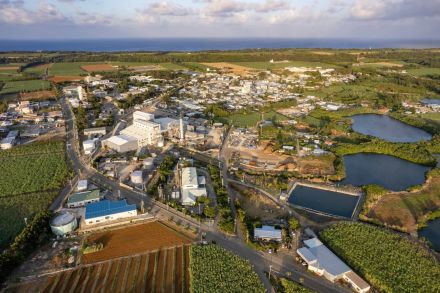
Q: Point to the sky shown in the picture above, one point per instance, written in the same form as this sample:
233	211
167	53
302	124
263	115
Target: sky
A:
341	19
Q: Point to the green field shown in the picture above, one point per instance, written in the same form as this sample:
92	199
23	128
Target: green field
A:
386	260
213	269
268	65
15	208
251	119
432	116
35	70
30	177
172	66
67	68
424	71
25	86
289	286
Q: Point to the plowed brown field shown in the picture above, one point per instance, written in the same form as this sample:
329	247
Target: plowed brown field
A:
163	270
133	240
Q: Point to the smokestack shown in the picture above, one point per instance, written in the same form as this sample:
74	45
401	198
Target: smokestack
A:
182	130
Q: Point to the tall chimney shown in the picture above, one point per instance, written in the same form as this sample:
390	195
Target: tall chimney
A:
182	130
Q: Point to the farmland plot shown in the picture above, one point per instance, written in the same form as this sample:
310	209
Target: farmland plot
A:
158	271
132	240
30	178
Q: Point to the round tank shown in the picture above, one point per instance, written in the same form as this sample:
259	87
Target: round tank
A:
63	223
148	163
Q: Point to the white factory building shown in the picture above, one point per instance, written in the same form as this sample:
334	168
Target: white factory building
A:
191	186
121	143
145	130
324	262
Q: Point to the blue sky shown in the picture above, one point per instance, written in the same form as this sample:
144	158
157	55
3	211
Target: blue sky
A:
364	19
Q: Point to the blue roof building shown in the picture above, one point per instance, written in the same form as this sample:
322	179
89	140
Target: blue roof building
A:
109	210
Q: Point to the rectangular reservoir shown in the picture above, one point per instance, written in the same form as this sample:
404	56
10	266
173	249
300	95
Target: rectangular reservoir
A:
324	201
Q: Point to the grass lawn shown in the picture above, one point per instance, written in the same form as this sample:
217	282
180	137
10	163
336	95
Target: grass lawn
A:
268	65
424	71
25	85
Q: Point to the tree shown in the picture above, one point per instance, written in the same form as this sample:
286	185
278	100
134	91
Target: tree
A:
294	223
209	212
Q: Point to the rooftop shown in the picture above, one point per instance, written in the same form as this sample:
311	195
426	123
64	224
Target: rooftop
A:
106	207
62	219
189	176
325	258
267	232
357	280
82	196
121	139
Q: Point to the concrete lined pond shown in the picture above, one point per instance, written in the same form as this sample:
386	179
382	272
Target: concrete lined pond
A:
388	171
387	128
324	201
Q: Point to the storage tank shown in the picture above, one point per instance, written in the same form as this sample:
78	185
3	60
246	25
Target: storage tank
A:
148	163
63	223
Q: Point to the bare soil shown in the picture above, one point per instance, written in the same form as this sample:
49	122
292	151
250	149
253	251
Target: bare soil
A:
64	78
40	95
133	240
234	68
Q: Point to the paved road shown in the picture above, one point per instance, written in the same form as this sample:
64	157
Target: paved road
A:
260	261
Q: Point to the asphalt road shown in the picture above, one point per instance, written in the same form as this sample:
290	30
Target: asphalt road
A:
261	261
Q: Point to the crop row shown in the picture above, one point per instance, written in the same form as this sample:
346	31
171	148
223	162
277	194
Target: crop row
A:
214	269
158	271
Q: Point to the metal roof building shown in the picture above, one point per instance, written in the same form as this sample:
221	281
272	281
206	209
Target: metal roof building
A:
109	210
324	262
80	199
267	233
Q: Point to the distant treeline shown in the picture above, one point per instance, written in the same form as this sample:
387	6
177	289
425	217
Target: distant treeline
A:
337	56
425	57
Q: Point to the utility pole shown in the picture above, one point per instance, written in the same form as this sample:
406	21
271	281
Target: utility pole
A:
270	264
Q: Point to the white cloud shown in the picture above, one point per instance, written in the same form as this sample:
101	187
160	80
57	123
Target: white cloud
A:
395	9
13	12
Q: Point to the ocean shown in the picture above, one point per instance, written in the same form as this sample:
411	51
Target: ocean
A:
202	44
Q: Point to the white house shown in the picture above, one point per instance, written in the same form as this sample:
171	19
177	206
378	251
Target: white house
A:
89	146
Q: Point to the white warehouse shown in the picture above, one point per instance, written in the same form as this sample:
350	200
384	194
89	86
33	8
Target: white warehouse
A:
191	186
